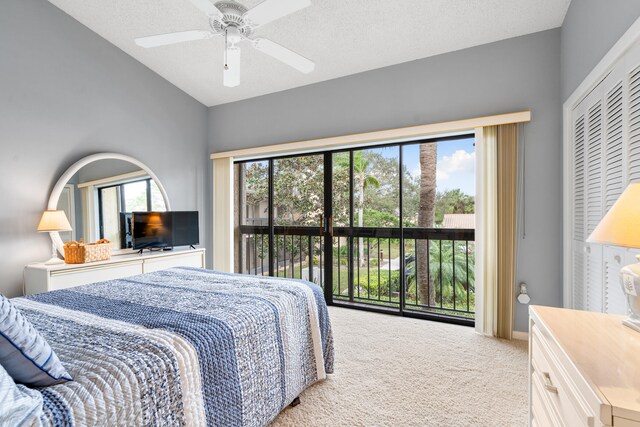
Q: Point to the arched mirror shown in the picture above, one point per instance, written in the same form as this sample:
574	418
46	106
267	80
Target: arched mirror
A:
98	194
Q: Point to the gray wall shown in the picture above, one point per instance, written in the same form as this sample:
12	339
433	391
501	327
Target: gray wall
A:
512	75
66	93
590	29
104	169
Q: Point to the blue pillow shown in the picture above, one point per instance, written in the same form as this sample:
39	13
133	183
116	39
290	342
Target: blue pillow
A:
20	406
24	353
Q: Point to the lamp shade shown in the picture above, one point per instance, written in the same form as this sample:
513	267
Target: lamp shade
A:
621	225
54	221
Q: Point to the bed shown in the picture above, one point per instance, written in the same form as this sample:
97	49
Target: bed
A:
183	346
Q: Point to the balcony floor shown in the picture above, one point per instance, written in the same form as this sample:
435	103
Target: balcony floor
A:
391	370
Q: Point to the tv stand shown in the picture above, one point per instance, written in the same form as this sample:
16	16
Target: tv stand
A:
141	251
165	249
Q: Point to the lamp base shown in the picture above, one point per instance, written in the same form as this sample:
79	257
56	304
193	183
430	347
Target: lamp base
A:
632	323
630	281
54	256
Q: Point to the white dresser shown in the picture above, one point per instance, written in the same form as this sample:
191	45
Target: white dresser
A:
584	369
44	278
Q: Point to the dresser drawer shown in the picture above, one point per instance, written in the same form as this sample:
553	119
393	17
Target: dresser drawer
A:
85	275
624	422
555	384
162	263
543	412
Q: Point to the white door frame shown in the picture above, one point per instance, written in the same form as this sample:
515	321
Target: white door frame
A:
595	77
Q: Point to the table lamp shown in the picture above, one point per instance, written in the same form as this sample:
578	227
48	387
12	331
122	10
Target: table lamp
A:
54	221
619	227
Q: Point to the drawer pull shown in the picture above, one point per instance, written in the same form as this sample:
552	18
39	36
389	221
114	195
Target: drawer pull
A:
548	385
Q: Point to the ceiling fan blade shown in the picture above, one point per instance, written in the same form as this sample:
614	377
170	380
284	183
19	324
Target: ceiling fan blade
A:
285	55
171	38
231	75
207	7
270	10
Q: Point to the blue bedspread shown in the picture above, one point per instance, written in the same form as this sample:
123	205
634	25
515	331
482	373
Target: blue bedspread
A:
182	346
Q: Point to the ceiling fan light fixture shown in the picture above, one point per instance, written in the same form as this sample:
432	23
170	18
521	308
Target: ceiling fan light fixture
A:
231	73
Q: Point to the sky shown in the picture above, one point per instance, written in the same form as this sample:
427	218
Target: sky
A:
455	168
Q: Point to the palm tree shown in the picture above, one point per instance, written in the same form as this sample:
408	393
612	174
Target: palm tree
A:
426	214
362	179
446	259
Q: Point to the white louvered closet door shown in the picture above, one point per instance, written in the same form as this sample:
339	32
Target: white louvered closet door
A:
594	185
606	157
614	138
615	181
579	193
632	104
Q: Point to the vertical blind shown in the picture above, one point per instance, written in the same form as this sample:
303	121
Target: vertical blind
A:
499	194
507	164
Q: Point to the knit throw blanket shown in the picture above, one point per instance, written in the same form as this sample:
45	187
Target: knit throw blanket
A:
182	346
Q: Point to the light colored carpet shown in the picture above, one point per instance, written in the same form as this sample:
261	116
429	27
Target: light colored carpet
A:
394	371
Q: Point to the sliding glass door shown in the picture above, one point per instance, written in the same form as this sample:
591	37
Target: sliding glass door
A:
438	198
366	236
298	217
281	211
388	228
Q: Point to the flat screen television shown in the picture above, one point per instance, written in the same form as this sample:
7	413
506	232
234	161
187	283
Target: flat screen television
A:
160	230
125	230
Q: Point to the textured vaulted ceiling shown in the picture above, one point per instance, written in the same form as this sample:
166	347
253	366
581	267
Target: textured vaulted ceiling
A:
342	36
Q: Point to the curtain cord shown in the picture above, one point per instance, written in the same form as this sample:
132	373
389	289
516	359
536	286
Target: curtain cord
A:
523	175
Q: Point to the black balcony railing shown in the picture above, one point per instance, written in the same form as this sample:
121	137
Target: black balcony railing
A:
432	272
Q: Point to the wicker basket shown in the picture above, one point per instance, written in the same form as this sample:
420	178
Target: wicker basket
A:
79	253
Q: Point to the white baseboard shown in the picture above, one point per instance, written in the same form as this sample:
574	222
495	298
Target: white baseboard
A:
519	335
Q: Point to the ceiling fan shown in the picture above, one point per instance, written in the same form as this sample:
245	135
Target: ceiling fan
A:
236	23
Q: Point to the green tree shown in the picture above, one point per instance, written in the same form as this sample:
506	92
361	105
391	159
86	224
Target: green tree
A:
298	193
340	175
453	202
445	270
256	184
362	180
376	218
384	197
410	198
